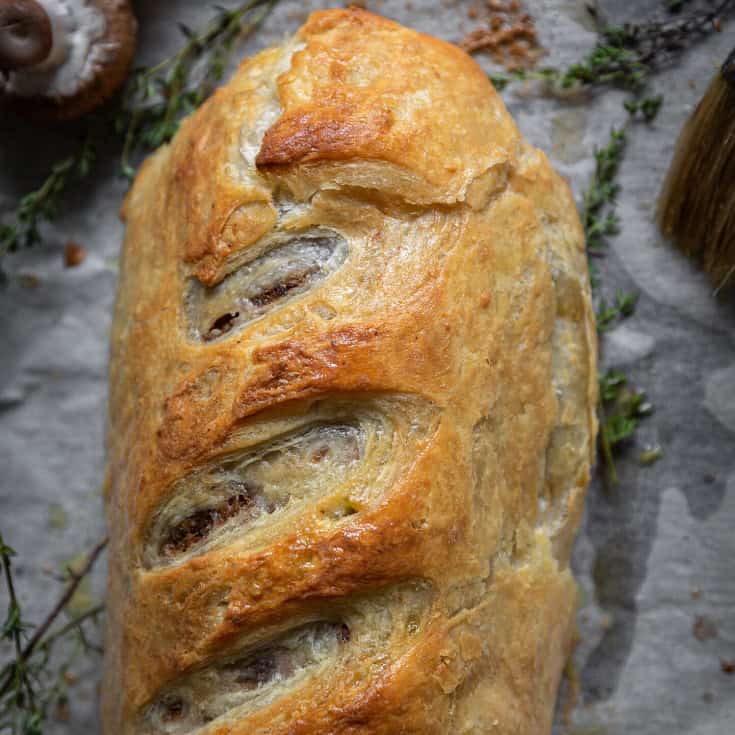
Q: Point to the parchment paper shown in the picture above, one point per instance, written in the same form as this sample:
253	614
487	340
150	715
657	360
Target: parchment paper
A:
656	555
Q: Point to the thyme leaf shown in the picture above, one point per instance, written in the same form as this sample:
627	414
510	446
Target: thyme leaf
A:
157	98
42	205
609	314
30	683
152	104
626	56
621	410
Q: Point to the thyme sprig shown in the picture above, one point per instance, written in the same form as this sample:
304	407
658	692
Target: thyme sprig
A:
625	56
609	314
148	113
607	63
599	216
157	98
42	205
30	684
620	409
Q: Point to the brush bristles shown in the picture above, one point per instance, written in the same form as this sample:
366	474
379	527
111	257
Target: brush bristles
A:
697	205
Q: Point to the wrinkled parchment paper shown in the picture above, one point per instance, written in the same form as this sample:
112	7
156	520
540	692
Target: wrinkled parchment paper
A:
656	556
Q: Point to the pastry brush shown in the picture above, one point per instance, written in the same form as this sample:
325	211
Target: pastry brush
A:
696	208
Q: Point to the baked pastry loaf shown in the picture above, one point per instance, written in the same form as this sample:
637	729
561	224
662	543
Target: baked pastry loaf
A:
351	406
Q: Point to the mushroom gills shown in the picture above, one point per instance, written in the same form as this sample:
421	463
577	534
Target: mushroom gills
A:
249	677
211	505
292	266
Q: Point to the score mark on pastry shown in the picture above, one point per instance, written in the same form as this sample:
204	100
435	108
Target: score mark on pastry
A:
293	265
355	636
211	505
250	677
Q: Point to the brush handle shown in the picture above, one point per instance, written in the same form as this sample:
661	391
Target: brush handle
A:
728	68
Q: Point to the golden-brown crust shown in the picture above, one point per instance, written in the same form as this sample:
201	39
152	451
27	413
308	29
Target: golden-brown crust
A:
459	320
412	107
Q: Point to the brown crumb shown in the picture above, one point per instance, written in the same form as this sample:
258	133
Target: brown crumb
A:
696	593
472	13
362	4
704	628
74	254
62	713
508	34
727	666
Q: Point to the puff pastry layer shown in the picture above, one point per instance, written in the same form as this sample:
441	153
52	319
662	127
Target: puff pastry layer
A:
352	403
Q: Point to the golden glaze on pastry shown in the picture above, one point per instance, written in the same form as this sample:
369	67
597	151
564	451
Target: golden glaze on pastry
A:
351	406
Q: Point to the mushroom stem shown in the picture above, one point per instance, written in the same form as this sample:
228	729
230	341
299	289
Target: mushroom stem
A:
25	34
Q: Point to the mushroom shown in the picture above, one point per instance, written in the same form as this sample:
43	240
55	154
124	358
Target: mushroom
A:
62	58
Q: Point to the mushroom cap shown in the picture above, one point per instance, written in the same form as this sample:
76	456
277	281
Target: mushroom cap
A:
25	34
104	67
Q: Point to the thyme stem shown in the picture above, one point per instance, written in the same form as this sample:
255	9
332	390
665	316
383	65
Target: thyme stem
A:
154	101
14	624
22	655
93	612
157	97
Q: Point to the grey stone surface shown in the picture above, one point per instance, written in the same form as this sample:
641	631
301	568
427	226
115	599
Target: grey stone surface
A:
655	551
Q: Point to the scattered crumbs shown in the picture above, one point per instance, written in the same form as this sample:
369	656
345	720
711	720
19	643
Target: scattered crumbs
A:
74	254
28	280
507	33
484	300
707	698
362	4
704	628
727	666
696	593
57	517
692	84
61	711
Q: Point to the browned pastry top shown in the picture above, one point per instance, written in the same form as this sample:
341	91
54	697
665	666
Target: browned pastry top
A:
351	405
